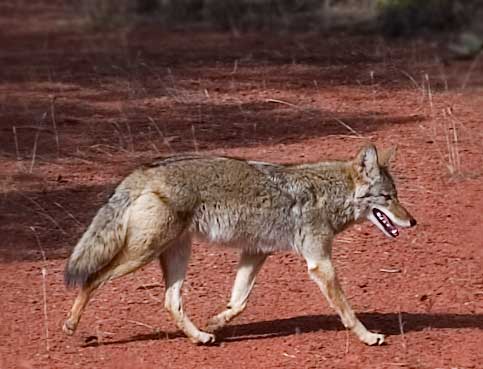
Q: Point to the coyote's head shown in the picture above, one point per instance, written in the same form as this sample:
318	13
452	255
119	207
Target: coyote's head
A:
375	193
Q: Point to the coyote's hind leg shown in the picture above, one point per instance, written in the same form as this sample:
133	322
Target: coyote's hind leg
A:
174	262
150	229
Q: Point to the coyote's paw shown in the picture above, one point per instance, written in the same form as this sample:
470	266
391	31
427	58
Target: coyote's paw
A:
372	339
215	324
203	338
69	327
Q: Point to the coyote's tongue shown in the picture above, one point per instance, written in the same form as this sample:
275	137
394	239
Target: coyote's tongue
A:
386	222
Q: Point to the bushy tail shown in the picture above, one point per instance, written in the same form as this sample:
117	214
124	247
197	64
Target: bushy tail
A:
101	242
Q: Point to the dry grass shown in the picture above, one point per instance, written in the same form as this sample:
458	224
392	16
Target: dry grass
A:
44	289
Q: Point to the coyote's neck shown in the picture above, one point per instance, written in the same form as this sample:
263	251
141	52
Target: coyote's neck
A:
334	186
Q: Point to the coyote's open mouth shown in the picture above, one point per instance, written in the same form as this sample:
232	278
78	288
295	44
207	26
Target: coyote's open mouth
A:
385	222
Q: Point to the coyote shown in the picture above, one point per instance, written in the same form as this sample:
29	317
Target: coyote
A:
254	206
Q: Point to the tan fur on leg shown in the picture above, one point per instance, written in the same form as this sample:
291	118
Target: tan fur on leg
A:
248	268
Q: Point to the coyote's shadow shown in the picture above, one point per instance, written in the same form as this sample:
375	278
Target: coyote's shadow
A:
387	323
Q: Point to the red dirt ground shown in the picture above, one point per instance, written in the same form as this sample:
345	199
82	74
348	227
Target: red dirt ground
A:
80	109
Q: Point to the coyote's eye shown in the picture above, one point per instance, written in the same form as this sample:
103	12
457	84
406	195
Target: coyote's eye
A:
387	197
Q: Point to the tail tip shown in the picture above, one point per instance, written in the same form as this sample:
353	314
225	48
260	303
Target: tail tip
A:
73	278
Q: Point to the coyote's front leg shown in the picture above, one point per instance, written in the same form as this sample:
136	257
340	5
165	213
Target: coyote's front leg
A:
248	268
322	271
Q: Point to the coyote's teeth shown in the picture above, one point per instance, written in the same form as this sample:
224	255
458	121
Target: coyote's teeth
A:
386	222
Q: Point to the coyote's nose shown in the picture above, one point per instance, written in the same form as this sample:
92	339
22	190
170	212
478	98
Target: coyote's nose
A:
412	222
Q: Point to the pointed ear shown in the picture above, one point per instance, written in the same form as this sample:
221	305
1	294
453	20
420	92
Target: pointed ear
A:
385	156
366	162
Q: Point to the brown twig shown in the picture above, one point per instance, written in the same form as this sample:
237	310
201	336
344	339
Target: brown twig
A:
401	329
45	213
44	288
54	123
343	124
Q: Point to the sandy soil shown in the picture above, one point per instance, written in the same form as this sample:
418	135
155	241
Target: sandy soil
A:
79	109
